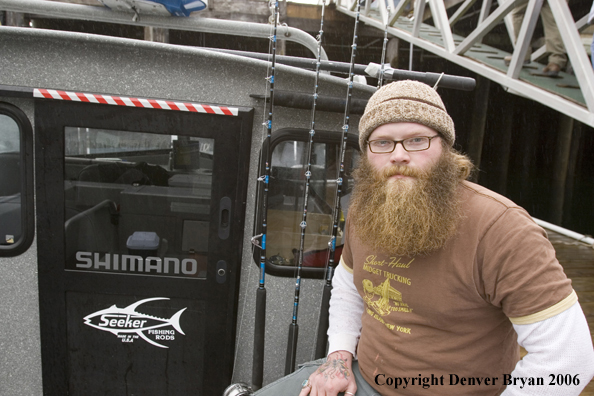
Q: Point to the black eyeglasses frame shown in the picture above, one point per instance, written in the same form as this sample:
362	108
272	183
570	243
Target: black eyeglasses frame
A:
402	142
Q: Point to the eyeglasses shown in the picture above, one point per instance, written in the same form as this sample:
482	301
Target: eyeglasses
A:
383	146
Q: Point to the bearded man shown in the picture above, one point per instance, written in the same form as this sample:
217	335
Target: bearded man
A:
440	279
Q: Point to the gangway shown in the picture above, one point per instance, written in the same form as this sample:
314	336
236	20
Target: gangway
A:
570	94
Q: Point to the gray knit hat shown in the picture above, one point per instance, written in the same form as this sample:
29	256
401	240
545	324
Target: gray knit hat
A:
406	101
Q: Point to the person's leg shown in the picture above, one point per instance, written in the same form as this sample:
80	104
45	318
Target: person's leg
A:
363	387
290	385
554	43
517	15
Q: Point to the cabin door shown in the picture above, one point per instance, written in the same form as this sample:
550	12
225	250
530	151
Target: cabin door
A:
140	217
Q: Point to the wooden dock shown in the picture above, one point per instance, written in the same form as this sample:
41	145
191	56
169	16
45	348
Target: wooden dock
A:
577	259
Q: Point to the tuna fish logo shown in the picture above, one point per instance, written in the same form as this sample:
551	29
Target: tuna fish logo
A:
125	322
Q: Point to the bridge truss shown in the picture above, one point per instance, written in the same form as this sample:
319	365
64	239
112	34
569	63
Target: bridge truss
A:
570	94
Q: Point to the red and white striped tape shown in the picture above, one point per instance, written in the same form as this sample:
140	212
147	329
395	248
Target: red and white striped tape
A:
134	102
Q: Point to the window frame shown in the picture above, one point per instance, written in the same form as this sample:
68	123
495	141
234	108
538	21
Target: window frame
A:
278	137
26	173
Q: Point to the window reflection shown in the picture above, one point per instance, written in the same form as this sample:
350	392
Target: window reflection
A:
137	203
285	202
10	181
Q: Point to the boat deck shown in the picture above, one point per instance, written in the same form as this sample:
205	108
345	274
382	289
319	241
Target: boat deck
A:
578	261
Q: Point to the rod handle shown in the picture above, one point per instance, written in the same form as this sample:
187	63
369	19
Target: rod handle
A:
259	331
446	81
322	338
291	348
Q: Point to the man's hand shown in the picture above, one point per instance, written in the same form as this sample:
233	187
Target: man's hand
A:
332	377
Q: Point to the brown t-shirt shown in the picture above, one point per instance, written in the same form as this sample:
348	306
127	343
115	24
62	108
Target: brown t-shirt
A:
448	314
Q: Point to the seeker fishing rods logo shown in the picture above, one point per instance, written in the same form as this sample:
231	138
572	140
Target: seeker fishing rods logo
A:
128	325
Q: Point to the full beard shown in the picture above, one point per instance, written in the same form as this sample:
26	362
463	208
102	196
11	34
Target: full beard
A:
406	216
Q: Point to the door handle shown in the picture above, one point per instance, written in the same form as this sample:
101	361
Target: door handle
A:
224	217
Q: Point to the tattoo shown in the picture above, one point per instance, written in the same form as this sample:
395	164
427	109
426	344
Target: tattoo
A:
335	368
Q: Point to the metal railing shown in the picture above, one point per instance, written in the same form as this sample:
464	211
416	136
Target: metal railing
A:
208	25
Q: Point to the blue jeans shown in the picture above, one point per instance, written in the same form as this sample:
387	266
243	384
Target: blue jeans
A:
291	384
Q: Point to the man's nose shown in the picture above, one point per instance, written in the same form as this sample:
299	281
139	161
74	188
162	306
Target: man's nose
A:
399	155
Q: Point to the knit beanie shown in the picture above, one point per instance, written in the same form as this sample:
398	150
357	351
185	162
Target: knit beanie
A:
406	101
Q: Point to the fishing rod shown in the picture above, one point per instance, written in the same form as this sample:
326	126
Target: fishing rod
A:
371	70
266	159
294	326
321	343
380	79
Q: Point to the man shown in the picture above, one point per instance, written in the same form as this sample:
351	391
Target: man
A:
557	60
440	278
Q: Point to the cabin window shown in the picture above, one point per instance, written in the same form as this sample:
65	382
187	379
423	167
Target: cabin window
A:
16	195
286	195
132	196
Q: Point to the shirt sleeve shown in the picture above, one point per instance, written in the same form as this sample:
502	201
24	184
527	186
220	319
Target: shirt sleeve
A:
558	345
517	269
346	308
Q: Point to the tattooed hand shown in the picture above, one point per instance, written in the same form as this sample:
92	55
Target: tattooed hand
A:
332	377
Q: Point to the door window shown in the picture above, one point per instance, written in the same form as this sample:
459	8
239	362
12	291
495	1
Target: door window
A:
137	202
286	195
